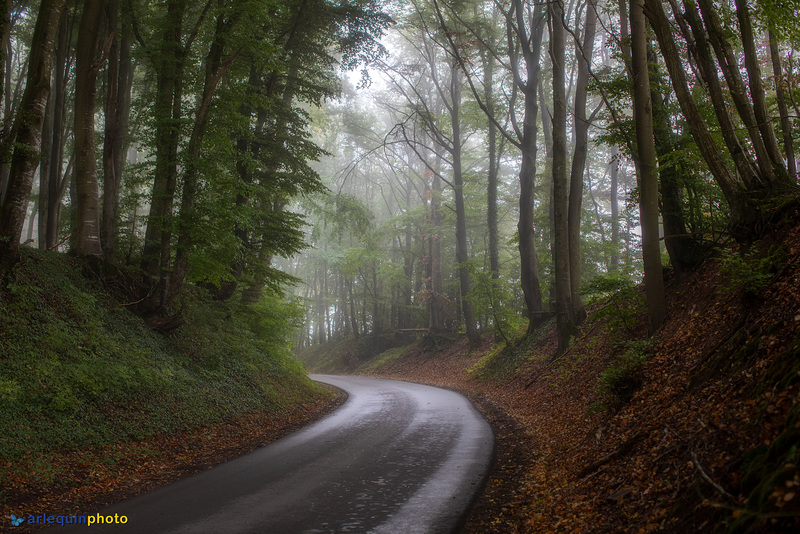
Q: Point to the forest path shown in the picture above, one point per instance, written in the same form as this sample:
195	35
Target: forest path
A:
396	457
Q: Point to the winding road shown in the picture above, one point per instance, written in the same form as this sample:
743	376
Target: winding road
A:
396	457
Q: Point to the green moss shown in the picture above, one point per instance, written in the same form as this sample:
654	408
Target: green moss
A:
79	371
383	359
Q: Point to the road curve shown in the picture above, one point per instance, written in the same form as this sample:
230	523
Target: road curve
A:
396	457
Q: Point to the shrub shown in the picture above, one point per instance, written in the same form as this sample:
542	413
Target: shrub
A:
620	301
619	382
747	273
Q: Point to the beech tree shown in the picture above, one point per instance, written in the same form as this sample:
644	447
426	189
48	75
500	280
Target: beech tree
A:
87	240
27	133
647	168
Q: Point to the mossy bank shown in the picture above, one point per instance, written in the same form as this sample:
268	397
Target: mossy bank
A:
81	375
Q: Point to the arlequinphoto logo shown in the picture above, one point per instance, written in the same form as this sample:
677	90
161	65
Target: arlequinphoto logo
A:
74	519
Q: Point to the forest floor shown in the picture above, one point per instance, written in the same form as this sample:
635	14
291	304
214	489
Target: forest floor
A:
693	430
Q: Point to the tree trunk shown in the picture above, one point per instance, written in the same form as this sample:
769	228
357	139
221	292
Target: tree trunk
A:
12	104
584	57
648	174
27	133
213	73
780	95
529	260
614	194
404	315
112	139
491	203
729	64
731	188
55	191
462	252
744	166
167	111
565	317
6	143
757	93
684	250
353	311
44	171
434	275
87	240
342	283
5	34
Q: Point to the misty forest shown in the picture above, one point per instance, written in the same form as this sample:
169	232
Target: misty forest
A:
582	214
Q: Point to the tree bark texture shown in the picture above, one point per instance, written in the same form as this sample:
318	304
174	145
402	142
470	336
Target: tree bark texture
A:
531	42
55	187
685	251
167	110
730	186
648	174
780	95
614	194
729	65
28	132
584	56
565	317
462	251
87	240
745	167
758	95
112	139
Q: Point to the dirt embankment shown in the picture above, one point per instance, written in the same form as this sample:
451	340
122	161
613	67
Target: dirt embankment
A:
695	430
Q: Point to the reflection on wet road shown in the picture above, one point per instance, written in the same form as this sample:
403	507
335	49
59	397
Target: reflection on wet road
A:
395	458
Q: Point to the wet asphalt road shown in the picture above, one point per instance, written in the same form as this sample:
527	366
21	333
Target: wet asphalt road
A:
396	457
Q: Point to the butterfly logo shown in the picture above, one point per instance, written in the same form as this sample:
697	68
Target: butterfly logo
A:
16	521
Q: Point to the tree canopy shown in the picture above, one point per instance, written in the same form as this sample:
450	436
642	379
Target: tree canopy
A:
423	165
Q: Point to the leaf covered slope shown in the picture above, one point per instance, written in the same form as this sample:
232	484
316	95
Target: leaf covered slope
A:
695	430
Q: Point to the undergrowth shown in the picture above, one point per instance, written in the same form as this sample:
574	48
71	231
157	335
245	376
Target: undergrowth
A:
78	371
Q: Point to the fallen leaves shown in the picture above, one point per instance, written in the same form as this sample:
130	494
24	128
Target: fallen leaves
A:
89	480
712	392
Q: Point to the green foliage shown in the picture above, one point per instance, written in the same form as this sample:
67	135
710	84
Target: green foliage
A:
341	215
495	298
619	300
79	371
780	16
748	273
622	379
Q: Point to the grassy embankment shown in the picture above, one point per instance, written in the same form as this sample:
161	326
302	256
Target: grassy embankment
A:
93	401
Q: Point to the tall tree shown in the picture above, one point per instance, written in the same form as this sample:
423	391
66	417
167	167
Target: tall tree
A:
462	252
87	240
524	31
742	189
168	57
116	111
583	52
565	314
27	132
56	185
781	97
647	168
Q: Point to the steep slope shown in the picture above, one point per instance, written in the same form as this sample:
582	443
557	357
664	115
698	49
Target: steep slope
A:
95	406
693	430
